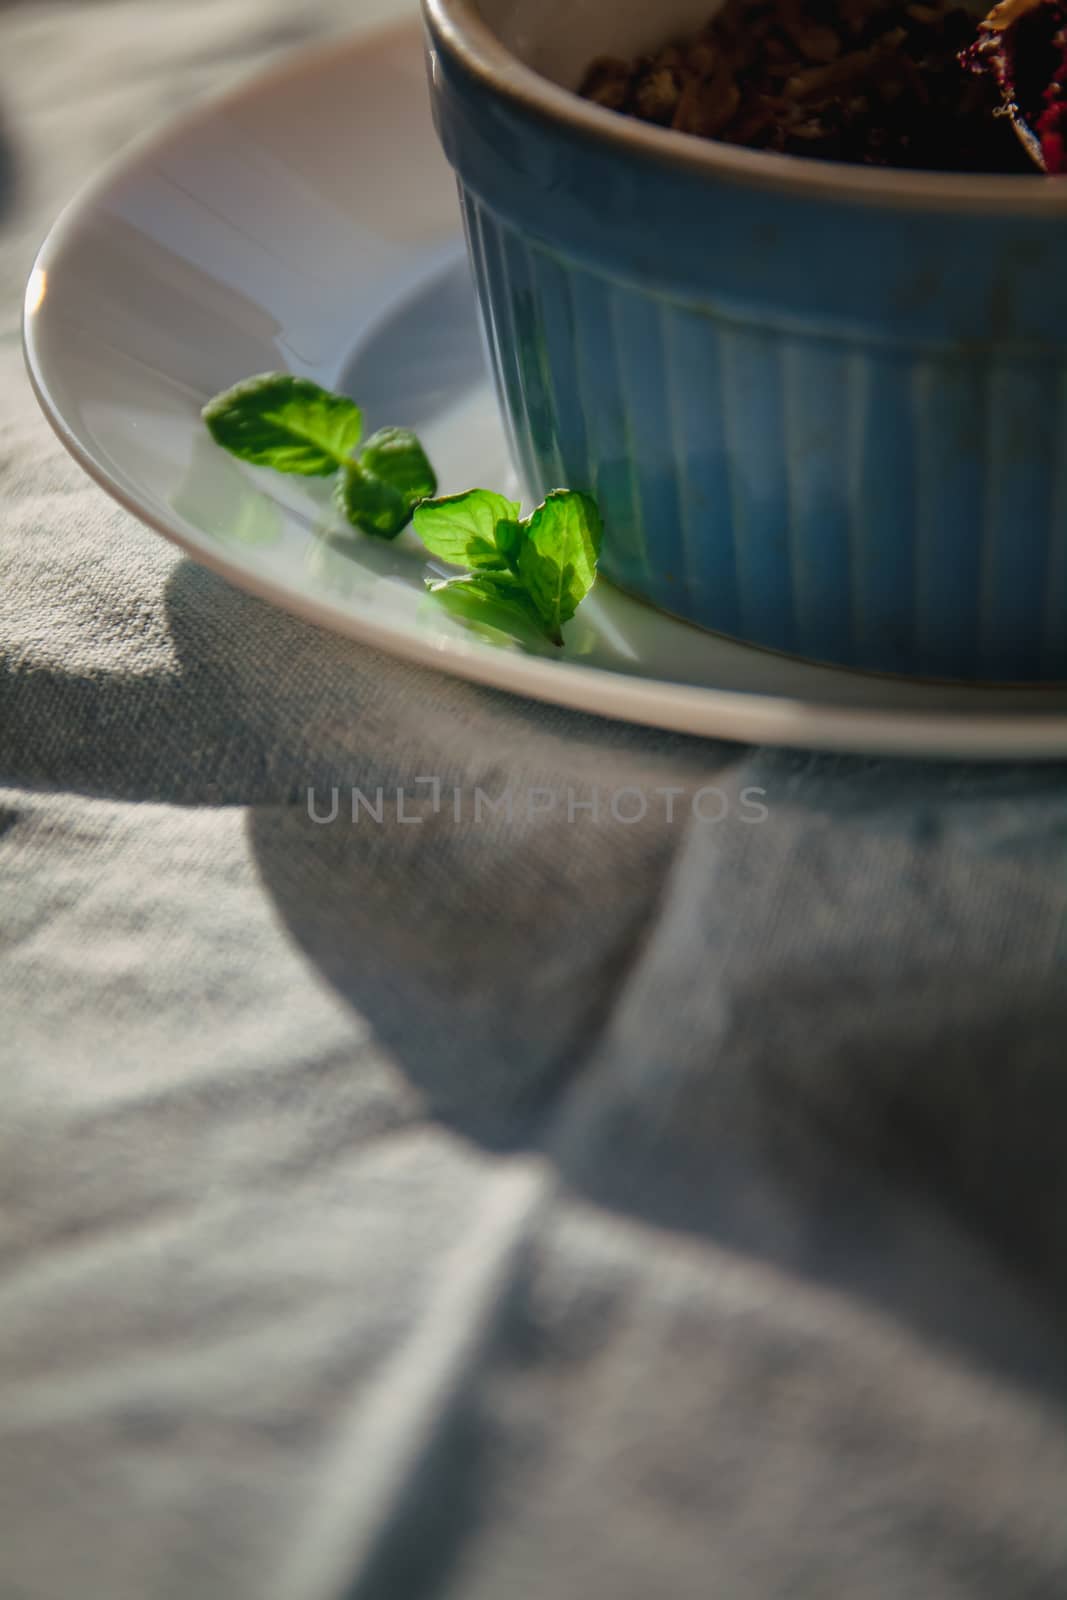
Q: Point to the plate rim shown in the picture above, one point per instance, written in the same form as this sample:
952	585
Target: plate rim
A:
736	715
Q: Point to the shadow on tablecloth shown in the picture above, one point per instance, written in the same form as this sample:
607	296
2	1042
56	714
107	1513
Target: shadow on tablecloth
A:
713	1033
849	1116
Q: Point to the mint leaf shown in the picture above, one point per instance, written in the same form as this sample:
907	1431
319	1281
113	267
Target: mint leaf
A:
558	556
378	492
370	503
287	423
396	456
478	529
489	599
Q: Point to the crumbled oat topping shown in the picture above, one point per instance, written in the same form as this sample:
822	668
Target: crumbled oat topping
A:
870	81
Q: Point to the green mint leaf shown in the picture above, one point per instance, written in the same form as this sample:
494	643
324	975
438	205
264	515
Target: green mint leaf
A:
396	456
478	529
370	503
558	556
490	599
287	423
379	492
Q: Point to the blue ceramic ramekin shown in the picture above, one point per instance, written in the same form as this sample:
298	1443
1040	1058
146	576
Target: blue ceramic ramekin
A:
823	407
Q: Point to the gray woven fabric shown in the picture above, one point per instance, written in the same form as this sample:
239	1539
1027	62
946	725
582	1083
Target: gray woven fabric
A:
485	1208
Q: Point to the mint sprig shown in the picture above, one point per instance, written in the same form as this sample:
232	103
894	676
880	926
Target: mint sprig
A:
545	563
293	425
529	574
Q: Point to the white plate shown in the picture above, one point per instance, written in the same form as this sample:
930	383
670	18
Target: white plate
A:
307	221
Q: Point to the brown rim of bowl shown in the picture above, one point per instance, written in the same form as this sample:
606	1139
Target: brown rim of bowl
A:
458	27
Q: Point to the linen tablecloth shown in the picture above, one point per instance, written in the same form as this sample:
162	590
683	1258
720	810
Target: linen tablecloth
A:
555	1206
